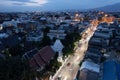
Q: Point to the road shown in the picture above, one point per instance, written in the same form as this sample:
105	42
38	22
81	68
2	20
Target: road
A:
68	70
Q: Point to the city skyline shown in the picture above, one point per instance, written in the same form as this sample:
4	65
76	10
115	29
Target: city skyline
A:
48	5
59	40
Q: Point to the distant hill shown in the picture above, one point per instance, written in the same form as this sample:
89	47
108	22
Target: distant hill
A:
110	8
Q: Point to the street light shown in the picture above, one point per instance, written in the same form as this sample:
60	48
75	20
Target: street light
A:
103	51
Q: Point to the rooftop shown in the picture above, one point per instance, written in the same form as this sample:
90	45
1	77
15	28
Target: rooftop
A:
87	75
90	66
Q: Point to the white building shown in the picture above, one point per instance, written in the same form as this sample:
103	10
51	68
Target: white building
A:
58	47
90	66
10	23
3	35
34	37
56	33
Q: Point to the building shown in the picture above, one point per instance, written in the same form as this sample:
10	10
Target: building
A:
94	55
10	23
41	58
111	70
89	71
97	41
55	33
107	19
34	36
58	47
86	74
29	54
3	35
90	66
102	34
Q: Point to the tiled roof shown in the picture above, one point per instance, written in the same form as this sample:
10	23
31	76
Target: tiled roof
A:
33	63
42	57
28	55
46	53
38	60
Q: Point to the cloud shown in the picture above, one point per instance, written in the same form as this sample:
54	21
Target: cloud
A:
20	4
21	0
24	2
37	5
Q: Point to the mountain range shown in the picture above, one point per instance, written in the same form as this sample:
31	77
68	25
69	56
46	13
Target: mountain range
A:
110	8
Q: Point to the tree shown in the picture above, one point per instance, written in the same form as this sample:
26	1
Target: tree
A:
99	18
54	39
13	68
69	42
46	41
46	30
16	50
57	16
116	16
67	17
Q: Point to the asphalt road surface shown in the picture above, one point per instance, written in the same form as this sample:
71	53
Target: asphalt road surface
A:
69	69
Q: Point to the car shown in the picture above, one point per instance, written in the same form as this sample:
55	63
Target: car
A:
68	64
59	78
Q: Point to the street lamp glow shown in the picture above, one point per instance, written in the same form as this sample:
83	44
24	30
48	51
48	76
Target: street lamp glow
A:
1	27
106	15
